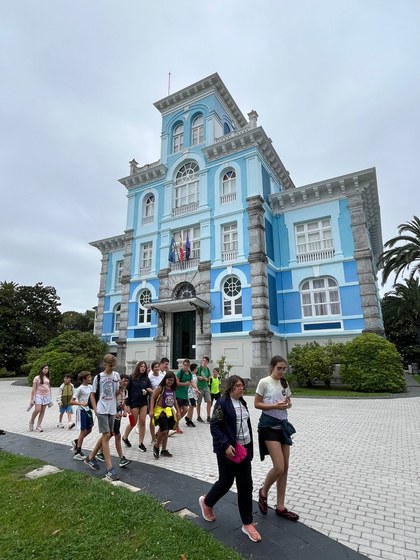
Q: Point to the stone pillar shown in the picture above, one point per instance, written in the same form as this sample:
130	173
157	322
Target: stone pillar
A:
162	340
101	295
365	266
203	339
125	297
260	334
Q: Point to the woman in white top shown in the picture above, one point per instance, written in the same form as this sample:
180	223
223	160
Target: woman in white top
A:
272	397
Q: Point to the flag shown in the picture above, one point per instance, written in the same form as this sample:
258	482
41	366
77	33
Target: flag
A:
172	249
187	248
181	252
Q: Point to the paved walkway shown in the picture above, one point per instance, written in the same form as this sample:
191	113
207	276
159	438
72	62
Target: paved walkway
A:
353	474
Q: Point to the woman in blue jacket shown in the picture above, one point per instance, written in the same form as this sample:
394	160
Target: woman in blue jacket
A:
229	425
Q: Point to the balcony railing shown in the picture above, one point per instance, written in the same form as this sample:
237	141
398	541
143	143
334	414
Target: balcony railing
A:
226	198
186	209
145	270
321	255
228	256
185	265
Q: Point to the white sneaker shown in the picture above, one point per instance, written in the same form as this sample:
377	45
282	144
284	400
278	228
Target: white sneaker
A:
31	426
60	425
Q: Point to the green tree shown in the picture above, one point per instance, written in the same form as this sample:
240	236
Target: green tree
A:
29	317
370	363
402	252
75	321
70	352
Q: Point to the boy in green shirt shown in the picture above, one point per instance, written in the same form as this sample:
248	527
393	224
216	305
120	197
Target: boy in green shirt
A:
183	378
203	379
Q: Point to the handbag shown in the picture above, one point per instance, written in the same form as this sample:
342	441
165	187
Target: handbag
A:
240	451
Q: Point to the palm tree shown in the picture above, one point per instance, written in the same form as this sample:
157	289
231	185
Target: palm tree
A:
403	303
398	258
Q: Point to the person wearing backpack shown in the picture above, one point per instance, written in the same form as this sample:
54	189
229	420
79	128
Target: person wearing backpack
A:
106	385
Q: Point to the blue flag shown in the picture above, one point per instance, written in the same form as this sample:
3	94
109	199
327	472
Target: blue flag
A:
187	248
172	249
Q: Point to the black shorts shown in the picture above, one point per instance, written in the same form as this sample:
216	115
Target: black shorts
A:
165	423
117	426
182	402
215	396
193	402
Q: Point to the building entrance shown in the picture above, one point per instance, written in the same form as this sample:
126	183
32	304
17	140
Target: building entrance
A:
183	336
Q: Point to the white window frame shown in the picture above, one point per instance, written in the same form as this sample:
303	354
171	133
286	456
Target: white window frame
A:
117	318
144	315
197	130
320	297
186	190
148	209
229	241
178	138
194	239
314	240
232	297
146	255
228	187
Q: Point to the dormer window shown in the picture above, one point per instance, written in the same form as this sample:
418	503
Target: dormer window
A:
197	130
178	138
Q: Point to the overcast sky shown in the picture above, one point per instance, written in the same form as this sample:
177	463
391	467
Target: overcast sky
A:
335	83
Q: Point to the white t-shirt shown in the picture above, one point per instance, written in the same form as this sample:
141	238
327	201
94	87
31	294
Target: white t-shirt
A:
156	379
242	430
109	387
82	394
272	391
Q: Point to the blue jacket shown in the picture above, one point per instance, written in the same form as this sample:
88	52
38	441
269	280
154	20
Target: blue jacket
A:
223	426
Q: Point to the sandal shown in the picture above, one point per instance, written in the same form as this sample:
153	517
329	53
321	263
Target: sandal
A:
291	515
262	502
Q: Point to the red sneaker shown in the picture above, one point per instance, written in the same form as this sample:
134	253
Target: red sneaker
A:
252	532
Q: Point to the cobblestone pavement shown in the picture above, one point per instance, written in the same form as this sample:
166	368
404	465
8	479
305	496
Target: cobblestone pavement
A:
354	472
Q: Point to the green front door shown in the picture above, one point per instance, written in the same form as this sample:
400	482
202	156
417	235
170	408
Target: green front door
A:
183	336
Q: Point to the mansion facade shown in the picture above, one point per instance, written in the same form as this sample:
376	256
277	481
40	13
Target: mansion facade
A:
223	255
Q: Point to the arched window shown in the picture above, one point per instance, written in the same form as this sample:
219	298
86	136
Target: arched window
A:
148	209
178	138
117	317
320	296
197	130
184	291
232	296
186	185
145	314
228	190
226	128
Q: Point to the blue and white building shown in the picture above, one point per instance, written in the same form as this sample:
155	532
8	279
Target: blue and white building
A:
223	255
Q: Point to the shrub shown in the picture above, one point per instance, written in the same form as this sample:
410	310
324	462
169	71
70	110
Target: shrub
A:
5	373
372	364
313	362
71	352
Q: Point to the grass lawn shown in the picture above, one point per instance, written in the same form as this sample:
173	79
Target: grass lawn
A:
72	515
417	378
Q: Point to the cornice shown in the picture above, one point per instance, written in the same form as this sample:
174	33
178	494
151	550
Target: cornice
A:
361	185
247	137
143	175
208	84
110	243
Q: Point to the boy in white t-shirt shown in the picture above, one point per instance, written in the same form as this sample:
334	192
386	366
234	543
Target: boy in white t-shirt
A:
84	416
105	409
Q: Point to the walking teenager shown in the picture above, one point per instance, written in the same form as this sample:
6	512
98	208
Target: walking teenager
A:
40	397
84	416
230	424
272	397
105	409
156	374
161	410
139	388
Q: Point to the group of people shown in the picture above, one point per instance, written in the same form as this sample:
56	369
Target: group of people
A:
168	397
